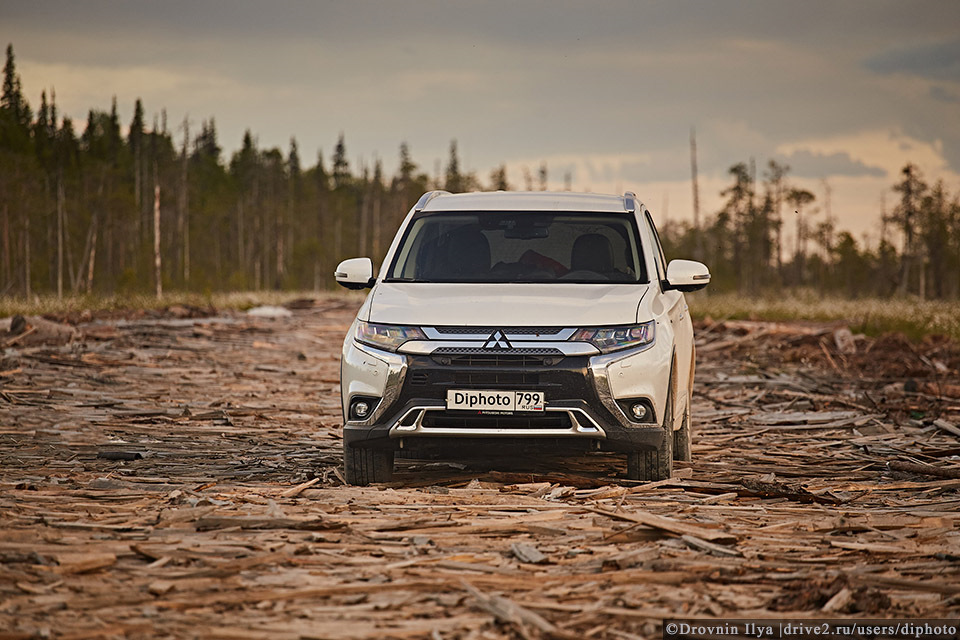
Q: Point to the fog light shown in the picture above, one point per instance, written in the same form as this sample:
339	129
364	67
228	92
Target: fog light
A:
639	411
361	409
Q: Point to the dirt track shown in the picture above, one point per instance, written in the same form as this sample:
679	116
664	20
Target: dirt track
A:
179	478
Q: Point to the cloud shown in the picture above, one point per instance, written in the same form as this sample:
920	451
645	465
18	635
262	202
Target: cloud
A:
943	94
879	149
934	61
812	164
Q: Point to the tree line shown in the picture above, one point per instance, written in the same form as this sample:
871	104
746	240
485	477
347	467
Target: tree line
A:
918	252
159	207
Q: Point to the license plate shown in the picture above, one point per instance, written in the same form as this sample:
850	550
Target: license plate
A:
495	401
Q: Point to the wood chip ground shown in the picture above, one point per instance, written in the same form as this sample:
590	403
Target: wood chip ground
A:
179	477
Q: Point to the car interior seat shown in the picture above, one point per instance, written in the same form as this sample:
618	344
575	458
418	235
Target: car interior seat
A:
592	252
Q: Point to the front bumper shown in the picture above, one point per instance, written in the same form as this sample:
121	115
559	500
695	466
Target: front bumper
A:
581	402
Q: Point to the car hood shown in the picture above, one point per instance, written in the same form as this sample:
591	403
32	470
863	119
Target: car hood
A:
567	305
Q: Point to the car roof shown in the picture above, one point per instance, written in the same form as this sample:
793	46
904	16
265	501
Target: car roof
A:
526	201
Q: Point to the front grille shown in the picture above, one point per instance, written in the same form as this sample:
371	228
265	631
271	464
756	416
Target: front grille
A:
568	381
493	378
450	420
514	358
515	331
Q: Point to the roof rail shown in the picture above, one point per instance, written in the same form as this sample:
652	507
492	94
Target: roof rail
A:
427	197
630	201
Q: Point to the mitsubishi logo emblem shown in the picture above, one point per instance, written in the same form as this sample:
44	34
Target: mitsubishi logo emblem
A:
497	340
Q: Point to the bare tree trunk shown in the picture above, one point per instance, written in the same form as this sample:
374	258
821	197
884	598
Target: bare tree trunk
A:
60	215
778	207
186	246
241	257
93	256
279	251
6	246
923	279
338	237
321	241
26	257
183	230
284	211
217	256
364	223
698	236
798	252
376	227
138	187
76	277
156	233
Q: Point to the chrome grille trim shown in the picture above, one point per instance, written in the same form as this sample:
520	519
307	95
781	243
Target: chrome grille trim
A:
481	334
428	347
581	425
469	351
519	331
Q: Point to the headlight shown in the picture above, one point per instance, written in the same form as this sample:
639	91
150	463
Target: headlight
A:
386	336
614	338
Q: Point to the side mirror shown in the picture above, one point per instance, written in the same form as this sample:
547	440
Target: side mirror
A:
687	275
355	273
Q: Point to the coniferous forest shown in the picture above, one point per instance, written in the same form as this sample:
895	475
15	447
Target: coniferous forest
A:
108	207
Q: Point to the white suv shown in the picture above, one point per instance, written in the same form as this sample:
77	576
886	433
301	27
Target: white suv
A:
520	321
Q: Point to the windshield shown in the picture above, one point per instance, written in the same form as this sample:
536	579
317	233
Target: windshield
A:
519	247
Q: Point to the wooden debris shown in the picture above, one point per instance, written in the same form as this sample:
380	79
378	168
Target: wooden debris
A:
32	330
235	520
297	490
84	562
668	524
709	547
210	523
925	469
946	426
527	553
512	613
846	344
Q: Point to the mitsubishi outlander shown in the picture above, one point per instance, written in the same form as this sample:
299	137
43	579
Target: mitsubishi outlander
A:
520	322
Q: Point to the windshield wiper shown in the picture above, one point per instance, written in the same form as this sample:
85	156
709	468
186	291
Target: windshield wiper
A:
405	280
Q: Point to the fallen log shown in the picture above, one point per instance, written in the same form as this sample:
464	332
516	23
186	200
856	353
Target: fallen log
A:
924	469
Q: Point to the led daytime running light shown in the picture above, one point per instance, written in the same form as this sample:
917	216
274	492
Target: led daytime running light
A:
386	336
615	338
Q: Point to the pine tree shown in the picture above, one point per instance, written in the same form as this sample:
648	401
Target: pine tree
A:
42	138
776	189
911	189
498	179
205	144
454	182
376	189
15	115
341	168
321	178
799	199
407	166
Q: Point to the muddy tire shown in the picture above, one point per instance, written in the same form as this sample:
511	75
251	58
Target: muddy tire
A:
681	440
363	466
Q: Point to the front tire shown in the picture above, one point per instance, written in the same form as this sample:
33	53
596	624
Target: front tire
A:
655	464
363	466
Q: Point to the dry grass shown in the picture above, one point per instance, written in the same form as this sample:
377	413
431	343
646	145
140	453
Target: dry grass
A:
911	316
914	317
242	300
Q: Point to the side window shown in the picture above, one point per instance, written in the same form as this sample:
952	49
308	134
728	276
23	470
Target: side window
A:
658	250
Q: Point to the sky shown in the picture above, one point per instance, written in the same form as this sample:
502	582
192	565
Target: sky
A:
844	92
